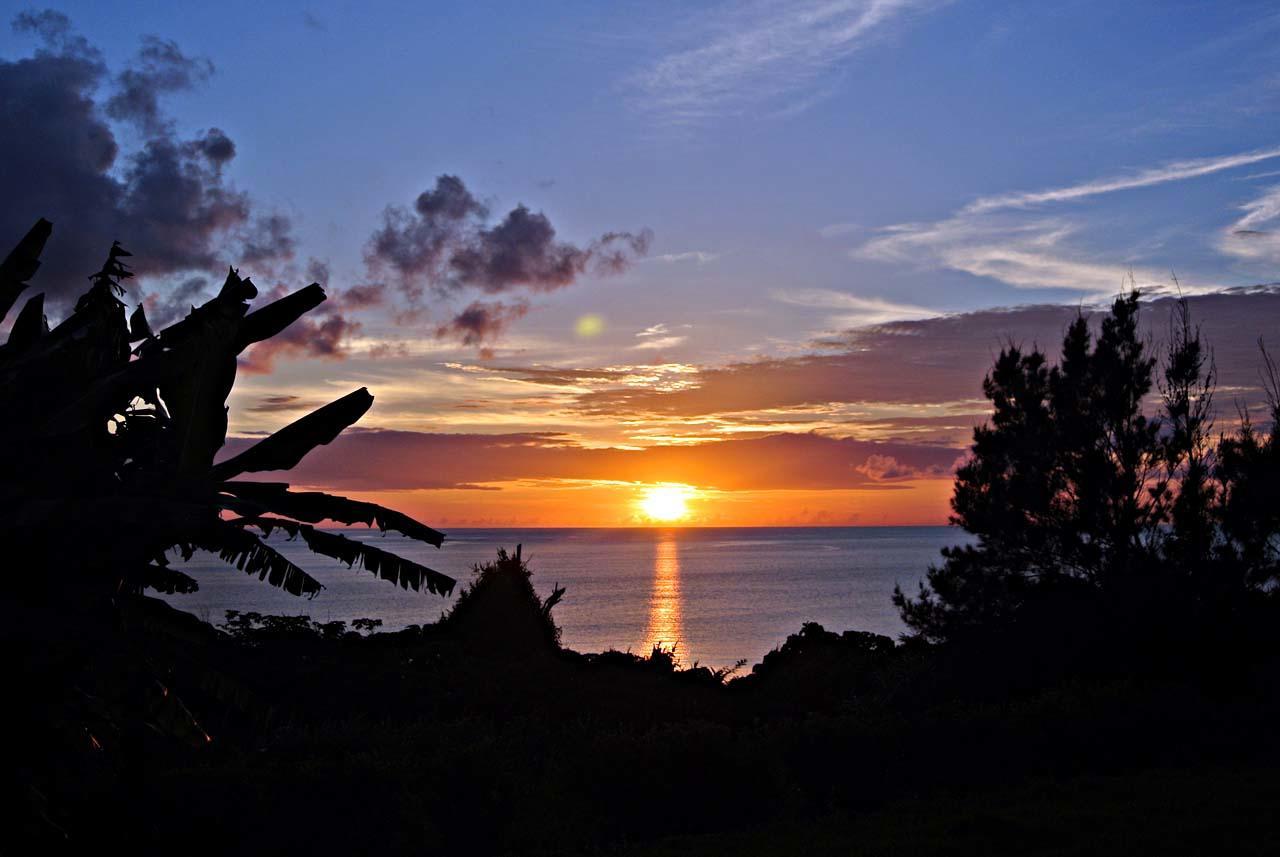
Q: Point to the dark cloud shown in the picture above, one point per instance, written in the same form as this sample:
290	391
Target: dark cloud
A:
943	360
559	377
216	146
886	468
362	296
55	31
445	243
482	322
166	199
281	403
416	245
522	251
269	240
318	271
372	460
169	306
321	333
159	67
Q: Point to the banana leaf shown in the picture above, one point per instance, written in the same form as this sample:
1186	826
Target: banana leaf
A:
139	328
246	552
273	318
30	324
169	581
284	449
384	564
315	506
21	264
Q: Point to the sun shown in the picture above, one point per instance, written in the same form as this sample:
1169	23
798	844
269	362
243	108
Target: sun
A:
666	503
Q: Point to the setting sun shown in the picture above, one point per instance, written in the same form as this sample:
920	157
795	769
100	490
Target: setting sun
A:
666	503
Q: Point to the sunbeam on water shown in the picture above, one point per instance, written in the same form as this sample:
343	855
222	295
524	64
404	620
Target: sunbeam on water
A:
665	628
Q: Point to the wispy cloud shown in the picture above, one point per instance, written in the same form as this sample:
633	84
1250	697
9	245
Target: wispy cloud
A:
702	257
1170	172
852	310
763	55
1254	236
998	238
659	343
1027	255
657	337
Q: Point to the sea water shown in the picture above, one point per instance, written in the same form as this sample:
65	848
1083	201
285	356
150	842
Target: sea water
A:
715	595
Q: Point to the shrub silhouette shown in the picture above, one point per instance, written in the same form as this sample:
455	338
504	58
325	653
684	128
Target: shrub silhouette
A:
500	613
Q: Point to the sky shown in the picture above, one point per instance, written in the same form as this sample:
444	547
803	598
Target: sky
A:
756	256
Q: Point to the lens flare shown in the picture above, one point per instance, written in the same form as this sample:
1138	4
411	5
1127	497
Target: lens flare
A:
589	326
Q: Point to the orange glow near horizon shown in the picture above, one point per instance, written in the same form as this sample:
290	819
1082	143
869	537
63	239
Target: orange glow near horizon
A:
554	503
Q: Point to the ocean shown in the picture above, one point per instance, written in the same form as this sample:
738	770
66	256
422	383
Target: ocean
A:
716	595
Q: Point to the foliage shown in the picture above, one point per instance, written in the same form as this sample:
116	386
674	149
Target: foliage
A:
254	627
500	612
1083	492
110	436
112	430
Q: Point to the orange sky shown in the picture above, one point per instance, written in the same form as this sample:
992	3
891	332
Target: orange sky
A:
866	430
605	504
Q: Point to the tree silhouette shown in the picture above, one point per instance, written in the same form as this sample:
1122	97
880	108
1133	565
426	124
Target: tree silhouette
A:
1073	484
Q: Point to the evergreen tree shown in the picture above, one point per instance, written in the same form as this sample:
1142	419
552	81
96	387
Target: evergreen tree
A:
1072	485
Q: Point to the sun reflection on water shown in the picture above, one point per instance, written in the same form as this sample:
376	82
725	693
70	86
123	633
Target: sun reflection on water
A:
666	613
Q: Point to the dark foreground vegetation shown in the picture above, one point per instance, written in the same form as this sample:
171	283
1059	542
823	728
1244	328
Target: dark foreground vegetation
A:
1100	673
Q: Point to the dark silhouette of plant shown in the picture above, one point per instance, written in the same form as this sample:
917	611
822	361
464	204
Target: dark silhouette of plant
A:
1074	487
499	611
1248	476
110	449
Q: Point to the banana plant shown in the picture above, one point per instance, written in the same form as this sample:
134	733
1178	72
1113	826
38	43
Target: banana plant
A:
112	430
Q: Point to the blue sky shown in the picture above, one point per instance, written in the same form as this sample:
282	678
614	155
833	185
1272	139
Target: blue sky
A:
340	109
805	168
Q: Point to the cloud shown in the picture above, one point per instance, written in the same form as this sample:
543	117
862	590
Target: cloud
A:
482	322
164	308
324	333
359	296
934	362
159	67
657	337
993	237
283	404
885	468
165	198
371	460
759	56
660	342
269	240
445	243
216	146
1254	236
702	257
1170	172
852	310
659	329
